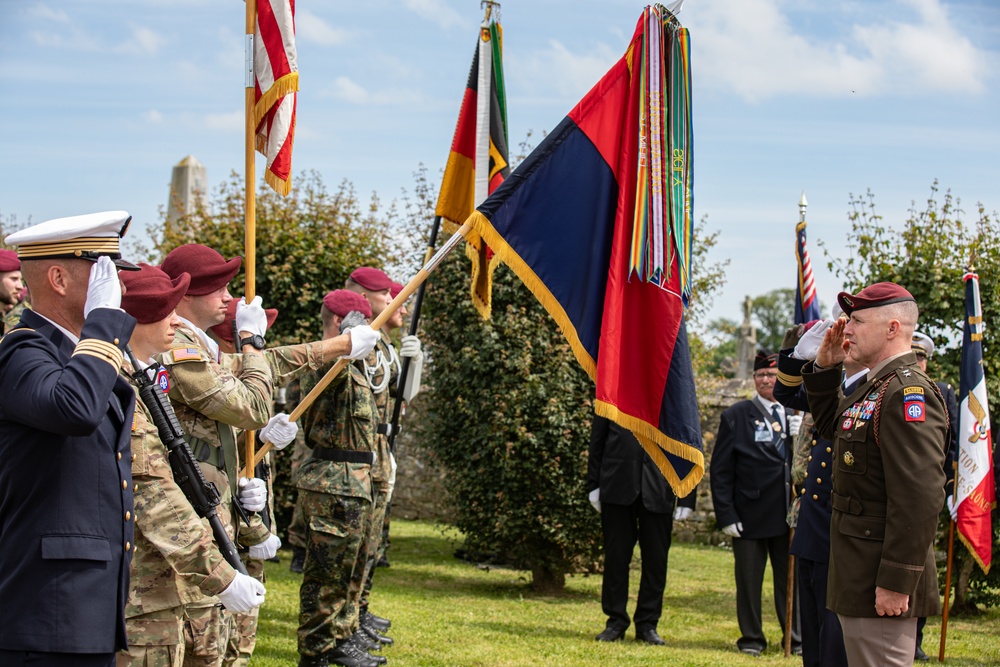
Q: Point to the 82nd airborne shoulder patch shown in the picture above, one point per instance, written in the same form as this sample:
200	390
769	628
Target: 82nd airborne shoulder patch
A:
913	404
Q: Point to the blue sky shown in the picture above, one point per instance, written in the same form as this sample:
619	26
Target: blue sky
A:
102	97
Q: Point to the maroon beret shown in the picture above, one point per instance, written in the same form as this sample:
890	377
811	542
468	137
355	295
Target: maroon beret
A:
342	301
395	289
873	296
9	261
150	294
765	359
224	329
209	270
371	278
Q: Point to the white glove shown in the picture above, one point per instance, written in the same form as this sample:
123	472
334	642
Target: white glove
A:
595	499
952	507
104	289
266	549
734	529
279	431
243	594
794	424
253	493
392	476
363	339
808	346
409	347
682	513
250	317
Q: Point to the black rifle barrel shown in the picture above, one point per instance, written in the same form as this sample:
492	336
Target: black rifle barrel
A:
202	494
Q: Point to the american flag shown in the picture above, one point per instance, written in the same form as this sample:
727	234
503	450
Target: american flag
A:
276	74
806	304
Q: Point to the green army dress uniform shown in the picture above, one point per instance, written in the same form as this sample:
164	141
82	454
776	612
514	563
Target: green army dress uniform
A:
889	437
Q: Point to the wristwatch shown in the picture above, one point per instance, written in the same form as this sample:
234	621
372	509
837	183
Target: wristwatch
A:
256	340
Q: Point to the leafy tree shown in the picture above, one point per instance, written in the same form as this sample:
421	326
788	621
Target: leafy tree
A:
774	312
929	256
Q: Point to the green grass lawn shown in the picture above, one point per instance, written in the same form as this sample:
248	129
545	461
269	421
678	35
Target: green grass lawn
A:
448	612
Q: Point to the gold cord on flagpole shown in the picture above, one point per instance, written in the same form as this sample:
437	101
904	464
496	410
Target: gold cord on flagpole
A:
250	202
489	5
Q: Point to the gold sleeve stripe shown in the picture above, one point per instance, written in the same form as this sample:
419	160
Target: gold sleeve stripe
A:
101	349
789	380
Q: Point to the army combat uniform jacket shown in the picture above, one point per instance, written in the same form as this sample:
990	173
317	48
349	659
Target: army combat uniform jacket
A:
176	558
889	438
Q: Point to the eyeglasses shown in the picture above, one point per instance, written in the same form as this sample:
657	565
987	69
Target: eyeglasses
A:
765	376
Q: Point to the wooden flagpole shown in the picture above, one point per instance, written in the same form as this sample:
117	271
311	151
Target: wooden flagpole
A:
415	282
250	202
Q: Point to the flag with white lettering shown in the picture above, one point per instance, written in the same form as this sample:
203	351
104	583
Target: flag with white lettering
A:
975	491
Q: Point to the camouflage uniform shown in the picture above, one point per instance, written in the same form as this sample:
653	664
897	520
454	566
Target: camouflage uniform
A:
211	402
11	319
382	361
175	558
286	363
336	500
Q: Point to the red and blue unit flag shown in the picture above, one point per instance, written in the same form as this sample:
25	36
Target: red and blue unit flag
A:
565	222
975	486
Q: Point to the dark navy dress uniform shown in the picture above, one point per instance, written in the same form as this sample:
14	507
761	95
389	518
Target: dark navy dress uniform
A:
822	636
66	512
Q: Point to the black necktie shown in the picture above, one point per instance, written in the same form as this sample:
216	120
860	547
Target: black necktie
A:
779	443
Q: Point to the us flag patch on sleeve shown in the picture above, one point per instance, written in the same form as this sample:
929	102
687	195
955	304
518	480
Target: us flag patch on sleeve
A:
186	353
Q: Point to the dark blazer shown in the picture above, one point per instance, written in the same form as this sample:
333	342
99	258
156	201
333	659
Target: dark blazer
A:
66	524
750	480
621	468
890	438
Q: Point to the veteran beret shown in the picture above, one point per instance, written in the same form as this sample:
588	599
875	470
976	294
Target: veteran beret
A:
341	302
209	270
873	296
80	236
9	261
224	329
150	294
765	359
371	278
395	289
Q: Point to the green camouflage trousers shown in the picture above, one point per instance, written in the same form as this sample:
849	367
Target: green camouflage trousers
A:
333	574
243	638
374	539
155	639
206	634
383	546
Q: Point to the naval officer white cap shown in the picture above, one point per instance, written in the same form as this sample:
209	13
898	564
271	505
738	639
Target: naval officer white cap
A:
80	236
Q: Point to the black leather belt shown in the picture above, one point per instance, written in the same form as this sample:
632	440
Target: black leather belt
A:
206	453
384	429
857	507
343	455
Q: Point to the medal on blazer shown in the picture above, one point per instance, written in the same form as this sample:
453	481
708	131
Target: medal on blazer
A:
848	459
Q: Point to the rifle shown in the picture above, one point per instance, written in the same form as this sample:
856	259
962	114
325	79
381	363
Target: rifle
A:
202	494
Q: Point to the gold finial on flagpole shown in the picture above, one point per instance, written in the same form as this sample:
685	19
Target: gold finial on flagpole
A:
489	5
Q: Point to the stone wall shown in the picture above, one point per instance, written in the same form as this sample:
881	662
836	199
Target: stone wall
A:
420	491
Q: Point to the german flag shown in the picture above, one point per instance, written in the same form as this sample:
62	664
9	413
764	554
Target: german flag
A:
478	161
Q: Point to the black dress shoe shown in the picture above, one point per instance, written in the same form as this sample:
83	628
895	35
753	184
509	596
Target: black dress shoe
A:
649	636
611	634
376	636
920	655
752	652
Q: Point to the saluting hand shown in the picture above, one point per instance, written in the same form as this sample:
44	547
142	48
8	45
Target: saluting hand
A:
831	350
104	289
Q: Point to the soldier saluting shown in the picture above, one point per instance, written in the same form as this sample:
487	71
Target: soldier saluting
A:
889	440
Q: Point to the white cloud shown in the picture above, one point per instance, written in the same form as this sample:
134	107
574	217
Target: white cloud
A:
348	90
435	11
143	41
752	47
153	116
233	121
315	29
74	40
557	70
46	13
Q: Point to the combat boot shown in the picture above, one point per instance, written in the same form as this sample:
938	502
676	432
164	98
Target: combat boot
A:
347	654
377	622
364	642
375	635
298	560
313	661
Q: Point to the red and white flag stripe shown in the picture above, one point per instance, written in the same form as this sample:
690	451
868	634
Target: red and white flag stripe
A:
276	74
